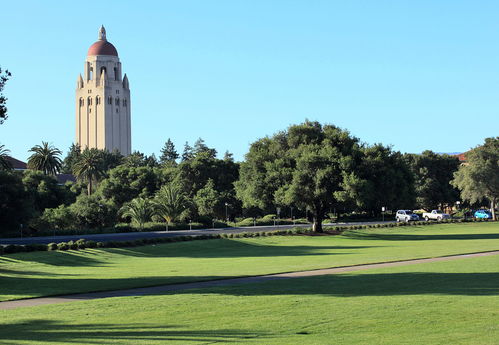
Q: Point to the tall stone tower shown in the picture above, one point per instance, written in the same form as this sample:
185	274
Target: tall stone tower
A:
103	100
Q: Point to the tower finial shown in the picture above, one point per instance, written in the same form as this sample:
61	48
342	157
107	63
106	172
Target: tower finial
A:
102	33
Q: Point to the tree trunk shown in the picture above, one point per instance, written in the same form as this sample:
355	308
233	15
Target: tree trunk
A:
493	208
89	186
317	225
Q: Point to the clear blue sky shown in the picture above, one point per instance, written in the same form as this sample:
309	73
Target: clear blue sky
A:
414	74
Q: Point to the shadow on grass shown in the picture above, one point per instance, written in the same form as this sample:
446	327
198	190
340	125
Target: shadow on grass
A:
26	287
51	332
347	285
230	249
196	249
357	285
70	258
5	272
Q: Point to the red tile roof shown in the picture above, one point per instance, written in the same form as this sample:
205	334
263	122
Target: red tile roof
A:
17	164
461	156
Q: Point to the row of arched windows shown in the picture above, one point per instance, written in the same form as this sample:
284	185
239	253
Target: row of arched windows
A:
98	101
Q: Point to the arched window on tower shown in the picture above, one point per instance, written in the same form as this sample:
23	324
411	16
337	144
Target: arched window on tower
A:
91	73
117	101
116	73
110	100
89	101
97	100
82	102
103	69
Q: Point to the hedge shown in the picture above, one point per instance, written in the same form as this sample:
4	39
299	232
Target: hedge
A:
83	244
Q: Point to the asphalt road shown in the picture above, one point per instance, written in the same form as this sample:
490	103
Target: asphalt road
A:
131	236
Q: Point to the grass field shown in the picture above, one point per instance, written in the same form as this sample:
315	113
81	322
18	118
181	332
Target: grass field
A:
454	302
35	274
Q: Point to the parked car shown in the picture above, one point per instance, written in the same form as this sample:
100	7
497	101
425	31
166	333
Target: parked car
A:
483	214
406	216
435	215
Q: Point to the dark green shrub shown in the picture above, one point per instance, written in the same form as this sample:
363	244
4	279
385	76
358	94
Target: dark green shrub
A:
30	247
13	248
52	246
72	245
90	244
35	247
62	246
92	212
124	227
139	243
1	250
80	244
60	218
100	245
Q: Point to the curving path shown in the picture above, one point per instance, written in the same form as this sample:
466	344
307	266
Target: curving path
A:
223	282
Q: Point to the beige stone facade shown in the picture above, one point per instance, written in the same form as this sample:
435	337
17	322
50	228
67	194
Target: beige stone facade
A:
103	100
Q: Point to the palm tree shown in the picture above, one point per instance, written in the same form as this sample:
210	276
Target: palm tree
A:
140	210
171	203
45	158
89	167
4	162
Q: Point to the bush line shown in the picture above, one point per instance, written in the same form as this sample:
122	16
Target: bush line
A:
83	244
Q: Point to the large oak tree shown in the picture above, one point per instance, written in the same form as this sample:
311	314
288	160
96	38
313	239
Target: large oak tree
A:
309	166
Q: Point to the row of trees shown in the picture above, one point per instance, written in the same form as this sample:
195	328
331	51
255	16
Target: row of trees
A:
312	168
322	168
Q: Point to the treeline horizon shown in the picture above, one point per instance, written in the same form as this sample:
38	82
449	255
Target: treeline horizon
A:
314	169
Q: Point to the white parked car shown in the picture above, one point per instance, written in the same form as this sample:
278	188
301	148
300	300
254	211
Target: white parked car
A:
406	216
435	215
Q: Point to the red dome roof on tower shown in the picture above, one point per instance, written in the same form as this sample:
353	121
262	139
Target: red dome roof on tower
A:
102	46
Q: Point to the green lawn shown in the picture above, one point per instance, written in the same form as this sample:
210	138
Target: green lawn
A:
453	302
49	273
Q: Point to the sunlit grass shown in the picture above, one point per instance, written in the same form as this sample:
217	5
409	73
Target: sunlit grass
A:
452	302
35	274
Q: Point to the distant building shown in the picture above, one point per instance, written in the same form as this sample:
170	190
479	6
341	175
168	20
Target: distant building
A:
103	100
63	178
21	166
461	157
16	163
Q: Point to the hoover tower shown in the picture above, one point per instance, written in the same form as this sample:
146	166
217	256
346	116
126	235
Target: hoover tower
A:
103	100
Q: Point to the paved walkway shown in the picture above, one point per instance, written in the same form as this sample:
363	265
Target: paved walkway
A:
223	282
131	236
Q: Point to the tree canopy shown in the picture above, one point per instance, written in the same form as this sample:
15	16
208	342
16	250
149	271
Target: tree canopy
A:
4	155
140	210
308	165
4	76
45	158
171	203
89	167
387	180
169	154
433	173
478	179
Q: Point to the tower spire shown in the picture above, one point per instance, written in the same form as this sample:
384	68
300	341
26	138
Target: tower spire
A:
102	33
